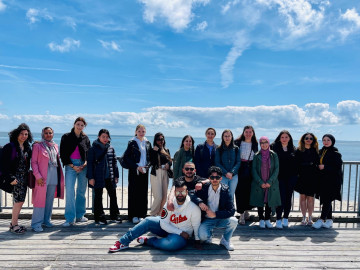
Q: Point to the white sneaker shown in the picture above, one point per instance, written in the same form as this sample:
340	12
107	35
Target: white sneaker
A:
262	224
279	224
318	224
328	224
38	229
67	224
285	222
226	244
82	219
135	220
268	224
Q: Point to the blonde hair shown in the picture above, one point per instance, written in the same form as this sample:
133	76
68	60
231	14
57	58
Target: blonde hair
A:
139	126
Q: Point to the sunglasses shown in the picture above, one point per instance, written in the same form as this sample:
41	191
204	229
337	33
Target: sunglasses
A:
213	177
160	139
189	169
177	193
309	138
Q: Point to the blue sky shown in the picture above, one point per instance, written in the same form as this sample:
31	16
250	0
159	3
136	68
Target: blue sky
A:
180	66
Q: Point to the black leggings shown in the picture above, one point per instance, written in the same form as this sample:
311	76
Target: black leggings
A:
326	211
261	212
98	202
286	187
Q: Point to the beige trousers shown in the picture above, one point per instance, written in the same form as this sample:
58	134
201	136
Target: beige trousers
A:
159	188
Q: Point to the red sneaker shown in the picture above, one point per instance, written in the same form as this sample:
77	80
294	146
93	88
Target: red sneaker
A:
142	240
117	247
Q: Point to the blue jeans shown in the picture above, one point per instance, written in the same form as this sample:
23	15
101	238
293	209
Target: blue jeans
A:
231	183
207	226
75	206
152	224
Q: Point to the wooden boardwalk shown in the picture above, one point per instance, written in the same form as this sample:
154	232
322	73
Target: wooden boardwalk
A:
86	246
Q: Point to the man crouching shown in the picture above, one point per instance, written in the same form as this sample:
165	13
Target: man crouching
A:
218	209
175	227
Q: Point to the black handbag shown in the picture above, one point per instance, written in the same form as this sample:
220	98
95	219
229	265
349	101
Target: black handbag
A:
31	179
5	184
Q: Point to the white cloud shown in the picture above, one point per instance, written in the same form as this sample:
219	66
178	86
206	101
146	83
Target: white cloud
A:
300	15
229	5
349	111
241	43
177	13
67	45
353	18
110	45
2	6
201	26
177	121
35	15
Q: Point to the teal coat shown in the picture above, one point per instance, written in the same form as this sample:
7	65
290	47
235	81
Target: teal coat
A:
257	193
180	158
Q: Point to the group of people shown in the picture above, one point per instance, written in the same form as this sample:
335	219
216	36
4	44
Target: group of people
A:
236	171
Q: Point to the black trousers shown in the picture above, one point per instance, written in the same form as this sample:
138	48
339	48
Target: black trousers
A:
286	187
261	212
98	205
326	210
243	188
137	194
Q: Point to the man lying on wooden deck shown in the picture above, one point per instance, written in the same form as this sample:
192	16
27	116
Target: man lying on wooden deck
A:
175	227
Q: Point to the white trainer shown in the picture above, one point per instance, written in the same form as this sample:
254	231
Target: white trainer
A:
262	224
226	244
135	220
268	224
318	224
279	224
328	223
82	219
67	224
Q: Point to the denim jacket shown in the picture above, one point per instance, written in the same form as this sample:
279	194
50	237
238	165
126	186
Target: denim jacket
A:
228	159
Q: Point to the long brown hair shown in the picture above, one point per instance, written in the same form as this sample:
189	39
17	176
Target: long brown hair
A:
314	143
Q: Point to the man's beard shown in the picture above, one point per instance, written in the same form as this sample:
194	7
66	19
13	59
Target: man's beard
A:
181	199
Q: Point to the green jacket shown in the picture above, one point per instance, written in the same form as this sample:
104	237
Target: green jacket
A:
257	193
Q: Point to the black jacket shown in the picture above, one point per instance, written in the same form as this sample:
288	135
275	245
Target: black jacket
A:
287	161
154	161
132	154
331	177
97	163
226	205
204	159
11	156
68	144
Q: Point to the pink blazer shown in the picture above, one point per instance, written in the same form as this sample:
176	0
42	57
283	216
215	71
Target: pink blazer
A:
39	165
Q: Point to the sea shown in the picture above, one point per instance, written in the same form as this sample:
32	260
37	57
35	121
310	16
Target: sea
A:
350	150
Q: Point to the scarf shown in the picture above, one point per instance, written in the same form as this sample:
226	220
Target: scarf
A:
50	148
265	165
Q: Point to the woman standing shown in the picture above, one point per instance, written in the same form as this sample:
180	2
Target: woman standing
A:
205	154
248	146
265	184
137	155
73	153
46	166
283	146
307	156
331	179
159	178
103	172
183	155
227	158
16	163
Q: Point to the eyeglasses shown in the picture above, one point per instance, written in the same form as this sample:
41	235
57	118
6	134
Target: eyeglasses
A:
160	139
189	169
48	133
177	193
264	142
309	138
214	177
